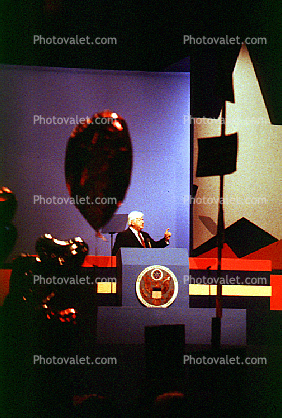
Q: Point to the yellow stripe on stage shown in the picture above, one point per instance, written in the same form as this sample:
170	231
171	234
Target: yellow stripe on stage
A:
230	290
205	290
106	287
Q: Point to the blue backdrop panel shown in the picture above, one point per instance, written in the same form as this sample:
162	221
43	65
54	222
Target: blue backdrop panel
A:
155	107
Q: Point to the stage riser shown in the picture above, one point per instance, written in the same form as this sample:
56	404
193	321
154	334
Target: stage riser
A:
126	325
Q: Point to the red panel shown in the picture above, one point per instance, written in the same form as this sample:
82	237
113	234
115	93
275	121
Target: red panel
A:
236	264
4	284
199	263
246	265
226	253
272	252
276	298
99	261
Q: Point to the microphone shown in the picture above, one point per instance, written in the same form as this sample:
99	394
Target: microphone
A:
149	243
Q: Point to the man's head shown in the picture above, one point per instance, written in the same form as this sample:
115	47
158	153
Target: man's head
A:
135	220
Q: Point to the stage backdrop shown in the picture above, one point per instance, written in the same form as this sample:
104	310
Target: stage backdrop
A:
33	143
254	190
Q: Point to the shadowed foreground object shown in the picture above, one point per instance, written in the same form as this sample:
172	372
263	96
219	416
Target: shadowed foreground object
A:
8	232
45	285
45	315
98	166
56	253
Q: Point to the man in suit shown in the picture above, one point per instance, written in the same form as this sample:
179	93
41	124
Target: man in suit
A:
134	238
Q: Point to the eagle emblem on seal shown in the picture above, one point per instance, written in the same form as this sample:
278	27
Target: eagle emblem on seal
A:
156	287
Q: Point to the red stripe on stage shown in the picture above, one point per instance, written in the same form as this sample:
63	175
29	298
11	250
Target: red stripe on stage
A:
235	264
276	298
99	261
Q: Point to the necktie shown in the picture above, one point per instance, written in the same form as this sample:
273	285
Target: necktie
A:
142	240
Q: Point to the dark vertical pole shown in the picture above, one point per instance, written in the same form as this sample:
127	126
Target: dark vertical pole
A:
216	322
220	232
112	241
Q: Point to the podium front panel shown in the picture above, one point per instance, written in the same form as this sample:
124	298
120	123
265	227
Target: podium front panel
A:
125	324
133	261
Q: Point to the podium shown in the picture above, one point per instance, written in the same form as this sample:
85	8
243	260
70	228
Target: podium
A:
131	262
125	324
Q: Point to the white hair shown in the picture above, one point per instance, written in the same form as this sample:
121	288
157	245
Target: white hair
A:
133	215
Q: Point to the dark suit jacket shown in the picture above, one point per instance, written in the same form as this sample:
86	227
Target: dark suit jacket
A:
128	239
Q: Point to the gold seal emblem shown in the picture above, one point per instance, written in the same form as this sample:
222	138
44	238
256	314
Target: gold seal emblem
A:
156	287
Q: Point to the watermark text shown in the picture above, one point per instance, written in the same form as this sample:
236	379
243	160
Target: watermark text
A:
74	280
71	120
234	200
73	361
73	40
225	280
223	40
77	200
188	119
224	360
